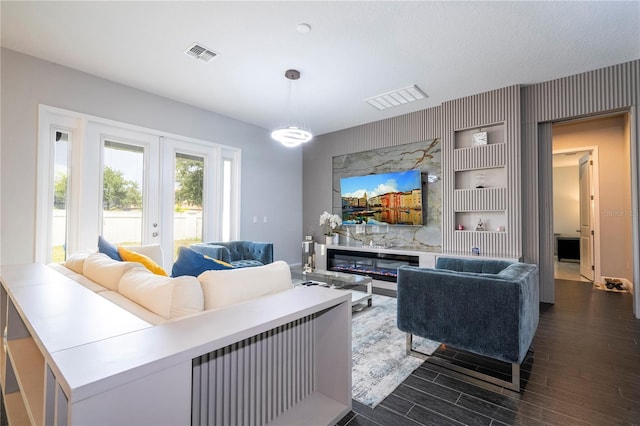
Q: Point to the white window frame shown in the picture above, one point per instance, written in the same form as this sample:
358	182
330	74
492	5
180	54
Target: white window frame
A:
84	209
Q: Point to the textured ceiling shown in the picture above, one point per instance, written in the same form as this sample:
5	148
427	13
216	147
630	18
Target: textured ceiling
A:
354	50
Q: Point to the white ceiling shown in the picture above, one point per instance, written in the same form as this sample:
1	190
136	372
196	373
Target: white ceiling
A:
354	50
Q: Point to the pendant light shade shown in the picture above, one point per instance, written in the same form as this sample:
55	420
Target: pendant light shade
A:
293	134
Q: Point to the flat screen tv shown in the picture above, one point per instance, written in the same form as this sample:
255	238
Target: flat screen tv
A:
393	198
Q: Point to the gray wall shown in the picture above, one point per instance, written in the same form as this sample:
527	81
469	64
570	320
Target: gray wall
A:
271	174
318	156
608	89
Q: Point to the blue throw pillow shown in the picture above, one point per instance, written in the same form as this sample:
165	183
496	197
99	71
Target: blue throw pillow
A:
109	249
190	262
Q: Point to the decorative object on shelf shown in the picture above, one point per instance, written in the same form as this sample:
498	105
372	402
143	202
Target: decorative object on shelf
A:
480	182
292	135
479	138
460	227
475	251
480	226
308	255
331	221
500	228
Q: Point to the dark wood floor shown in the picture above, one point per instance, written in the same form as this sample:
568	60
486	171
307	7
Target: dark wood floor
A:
583	368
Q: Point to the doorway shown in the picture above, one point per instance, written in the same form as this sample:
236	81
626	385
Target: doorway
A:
575	201
592	199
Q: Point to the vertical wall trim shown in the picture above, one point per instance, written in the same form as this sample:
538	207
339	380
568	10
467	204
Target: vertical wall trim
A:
634	123
545	170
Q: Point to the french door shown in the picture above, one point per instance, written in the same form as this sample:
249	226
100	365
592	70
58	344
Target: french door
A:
133	186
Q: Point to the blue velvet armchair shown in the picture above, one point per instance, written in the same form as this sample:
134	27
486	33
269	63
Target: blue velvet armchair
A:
240	254
488	307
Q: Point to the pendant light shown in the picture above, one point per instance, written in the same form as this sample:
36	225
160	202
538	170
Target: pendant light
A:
293	134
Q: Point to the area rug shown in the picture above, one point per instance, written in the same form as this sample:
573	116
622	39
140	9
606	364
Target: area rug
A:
380	362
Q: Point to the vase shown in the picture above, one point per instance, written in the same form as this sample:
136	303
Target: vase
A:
329	239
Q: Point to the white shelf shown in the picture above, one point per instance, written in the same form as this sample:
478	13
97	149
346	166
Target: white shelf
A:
28	366
129	372
14	407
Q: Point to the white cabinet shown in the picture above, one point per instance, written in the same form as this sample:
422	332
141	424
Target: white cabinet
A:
71	356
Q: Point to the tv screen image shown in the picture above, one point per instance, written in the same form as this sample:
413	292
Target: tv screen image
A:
393	198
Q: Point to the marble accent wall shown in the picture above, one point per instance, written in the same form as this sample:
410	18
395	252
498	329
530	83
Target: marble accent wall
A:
424	156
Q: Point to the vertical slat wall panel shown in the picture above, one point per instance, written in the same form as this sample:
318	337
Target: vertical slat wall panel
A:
494	243
604	90
608	89
487	199
498	106
254	381
492	155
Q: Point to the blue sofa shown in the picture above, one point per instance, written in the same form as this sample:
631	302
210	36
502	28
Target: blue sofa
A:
488	307
240	254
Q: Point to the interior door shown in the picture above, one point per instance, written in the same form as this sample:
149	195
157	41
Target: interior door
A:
586	218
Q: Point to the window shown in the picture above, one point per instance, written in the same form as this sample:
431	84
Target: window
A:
132	185
122	199
226	200
59	223
188	199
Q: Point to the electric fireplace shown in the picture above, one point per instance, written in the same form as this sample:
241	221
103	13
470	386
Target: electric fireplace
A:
379	266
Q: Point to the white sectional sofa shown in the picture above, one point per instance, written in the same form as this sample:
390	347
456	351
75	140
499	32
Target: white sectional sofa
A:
158	299
98	341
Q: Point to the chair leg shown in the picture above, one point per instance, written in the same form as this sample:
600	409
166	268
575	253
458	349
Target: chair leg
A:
413	352
514	384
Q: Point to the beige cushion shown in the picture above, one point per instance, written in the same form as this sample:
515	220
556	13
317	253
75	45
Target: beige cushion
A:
75	262
79	278
228	287
59	267
168	297
105	271
152	251
132	307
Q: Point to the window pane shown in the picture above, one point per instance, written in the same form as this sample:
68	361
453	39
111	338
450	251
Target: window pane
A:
60	197
226	200
123	175
189	184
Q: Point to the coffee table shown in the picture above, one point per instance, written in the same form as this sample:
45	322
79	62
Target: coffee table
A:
343	281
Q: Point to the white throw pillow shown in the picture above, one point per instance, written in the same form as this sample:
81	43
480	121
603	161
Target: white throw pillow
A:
105	271
168	297
75	262
152	251
228	287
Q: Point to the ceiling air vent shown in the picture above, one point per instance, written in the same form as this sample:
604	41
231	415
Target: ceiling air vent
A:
396	97
198	51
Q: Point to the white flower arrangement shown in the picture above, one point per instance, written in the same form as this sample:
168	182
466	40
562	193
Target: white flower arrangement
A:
331	221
